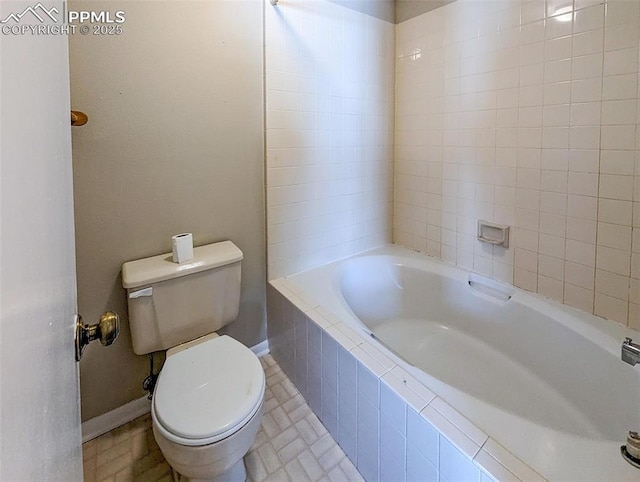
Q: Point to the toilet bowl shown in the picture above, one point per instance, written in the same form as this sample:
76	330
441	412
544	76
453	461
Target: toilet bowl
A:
207	408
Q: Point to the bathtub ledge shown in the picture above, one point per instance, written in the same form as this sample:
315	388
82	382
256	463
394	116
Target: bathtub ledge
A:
373	365
485	462
353	335
285	290
414	400
413	384
458	438
317	318
513	463
328	316
460	421
377	355
477	446
342	339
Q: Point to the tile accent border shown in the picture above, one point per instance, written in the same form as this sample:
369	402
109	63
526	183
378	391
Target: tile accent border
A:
388	423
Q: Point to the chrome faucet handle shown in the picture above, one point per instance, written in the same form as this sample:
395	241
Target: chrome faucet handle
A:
630	352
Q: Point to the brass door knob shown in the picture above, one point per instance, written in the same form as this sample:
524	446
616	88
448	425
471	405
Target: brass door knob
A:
106	330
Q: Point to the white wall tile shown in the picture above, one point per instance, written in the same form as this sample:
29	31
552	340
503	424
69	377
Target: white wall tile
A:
578	297
621	11
557	49
591	18
611	308
618	136
623	61
623	86
589	42
319	119
621	36
586	66
616	187
586	90
579	275
585	114
549	146
615	212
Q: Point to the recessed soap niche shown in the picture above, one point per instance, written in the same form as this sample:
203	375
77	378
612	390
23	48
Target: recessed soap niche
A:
492	233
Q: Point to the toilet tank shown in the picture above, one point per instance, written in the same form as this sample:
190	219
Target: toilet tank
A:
172	303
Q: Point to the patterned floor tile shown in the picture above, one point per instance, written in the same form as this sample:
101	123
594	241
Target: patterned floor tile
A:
291	445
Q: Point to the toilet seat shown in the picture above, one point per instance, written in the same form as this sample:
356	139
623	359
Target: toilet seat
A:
207	392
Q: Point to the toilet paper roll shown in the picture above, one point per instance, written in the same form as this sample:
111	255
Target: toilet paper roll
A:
182	247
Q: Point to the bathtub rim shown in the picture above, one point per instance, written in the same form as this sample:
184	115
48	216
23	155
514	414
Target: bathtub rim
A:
347	330
605	333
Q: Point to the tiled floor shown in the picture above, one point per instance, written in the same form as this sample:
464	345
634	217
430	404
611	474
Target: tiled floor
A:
291	445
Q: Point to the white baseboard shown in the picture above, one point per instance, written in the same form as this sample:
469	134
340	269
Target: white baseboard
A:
115	418
261	349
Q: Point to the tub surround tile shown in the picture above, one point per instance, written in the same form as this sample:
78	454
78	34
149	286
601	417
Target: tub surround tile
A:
413	384
453	464
368	361
410	397
332	319
454	435
552	120
301	299
329	351
329	134
374	408
338	335
418	468
356	337
347	367
488	464
422	436
299	302
279	284
368	384
318	319
368	436
514	464
392	452
457	419
393	409
378	356
292	297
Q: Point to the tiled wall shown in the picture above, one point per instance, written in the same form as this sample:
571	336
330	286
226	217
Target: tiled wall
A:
525	113
381	433
329	95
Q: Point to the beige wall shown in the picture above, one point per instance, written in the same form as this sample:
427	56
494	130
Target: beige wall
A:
392	10
174	143
523	116
406	9
382	9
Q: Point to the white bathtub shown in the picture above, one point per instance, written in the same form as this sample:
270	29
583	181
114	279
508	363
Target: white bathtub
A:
542	379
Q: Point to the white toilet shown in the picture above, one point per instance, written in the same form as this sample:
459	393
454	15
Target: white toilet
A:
207	403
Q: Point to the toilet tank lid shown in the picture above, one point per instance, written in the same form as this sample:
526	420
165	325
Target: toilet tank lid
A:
160	268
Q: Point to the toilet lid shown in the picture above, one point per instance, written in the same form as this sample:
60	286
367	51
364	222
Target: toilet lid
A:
206	391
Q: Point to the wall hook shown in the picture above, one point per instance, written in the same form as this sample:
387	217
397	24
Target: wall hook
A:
78	118
274	2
